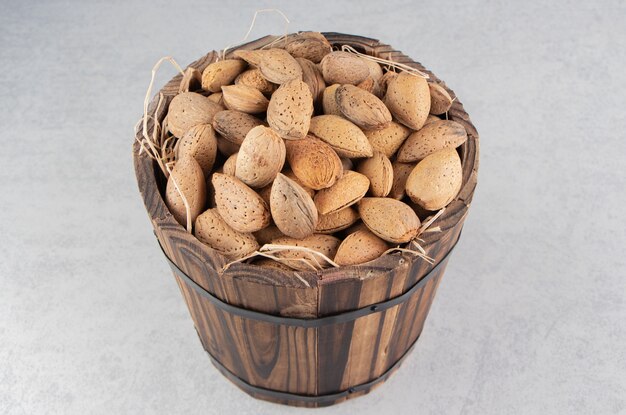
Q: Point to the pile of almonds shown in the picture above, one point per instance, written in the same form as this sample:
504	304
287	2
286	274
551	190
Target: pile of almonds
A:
301	146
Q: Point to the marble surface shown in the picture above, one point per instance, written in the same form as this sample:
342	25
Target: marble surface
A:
531	315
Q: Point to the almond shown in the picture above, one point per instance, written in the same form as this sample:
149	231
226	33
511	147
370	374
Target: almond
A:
388	139
344	68
375	70
432	137
436	180
240	206
373	82
440	99
389	219
188	178
244	98
290	109
362	107
253	57
312	76
272	264
347	191
189	109
265	193
292	208
408	99
217	98
346	163
329	103
234	125
314	162
384	81
324	244
343	136
379	171
253	78
220	73
289	173
278	66
230	165
261	156
200	143
226	147
308	45
360	247
401	172
212	230
337	221
267	235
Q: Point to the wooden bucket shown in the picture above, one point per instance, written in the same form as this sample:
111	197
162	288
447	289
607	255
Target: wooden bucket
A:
324	337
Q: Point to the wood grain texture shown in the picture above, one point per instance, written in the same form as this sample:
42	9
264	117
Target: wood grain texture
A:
298	360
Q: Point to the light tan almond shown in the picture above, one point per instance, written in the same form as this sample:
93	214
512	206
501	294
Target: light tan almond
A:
240	206
379	171
230	165
234	125
344	137
254	79
292	208
368	85
267	235
344	68
212	230
384	81
189	109
244	98
376	75
432	137
436	180
401	172
265	193
191	80
440	99
346	192
308	45
290	109
329	103
312	76
408	99
199	142
278	66
389	219
337	221
324	244
346	163
362	108
218	98
314	162
188	178
220	73
289	173
375	70
226	147
253	57
261	156
360	247
389	139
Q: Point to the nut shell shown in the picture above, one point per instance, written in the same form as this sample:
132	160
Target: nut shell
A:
379	171
293	210
308	45
389	219
187	175
337	221
212	230
389	139
324	244
253	78
362	108
344	137
290	109
312	76
408	99
329	103
346	192
344	68
220	73
234	125
260	157
440	99
278	66
433	137
200	143
314	162
189	109
244	98
360	247
401	172
240	206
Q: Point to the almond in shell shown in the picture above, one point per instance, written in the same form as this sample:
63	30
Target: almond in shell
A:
225	147
217	98
303	260
220	73
260	157
234	125
343	136
230	165
379	171
362	108
240	206
212	230
290	109
337	221
432	137
344	68
267	235
200	143
329	103
389	219
360	247
186	178
346	192
189	109
440	99
244	98
254	79
293	210
314	162
408	99
308	45
253	57
401	172
289	173
278	66
312	76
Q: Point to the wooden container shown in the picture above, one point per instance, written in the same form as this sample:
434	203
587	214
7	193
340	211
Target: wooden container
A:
311	339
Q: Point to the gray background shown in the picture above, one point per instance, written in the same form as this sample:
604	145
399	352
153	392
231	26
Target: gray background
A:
531	316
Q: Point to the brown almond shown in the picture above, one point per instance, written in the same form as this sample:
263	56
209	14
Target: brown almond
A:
436	180
375	78
253	57
240	206
324	244
253	78
337	221
244	98
218	98
379	171
344	68
362	107
375	70
212	230
290	109
292	208
440	99
186	178
401	172
383	82
329	103
389	219
314	162
360	247
226	147
388	139
261	156
431	118
312	76
234	125
189	109
265	193
346	163
289	173
191	80
267	235
344	137
230	165
308	45
220	73
408	99
368	85
346	192
278	66
199	142
432	137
